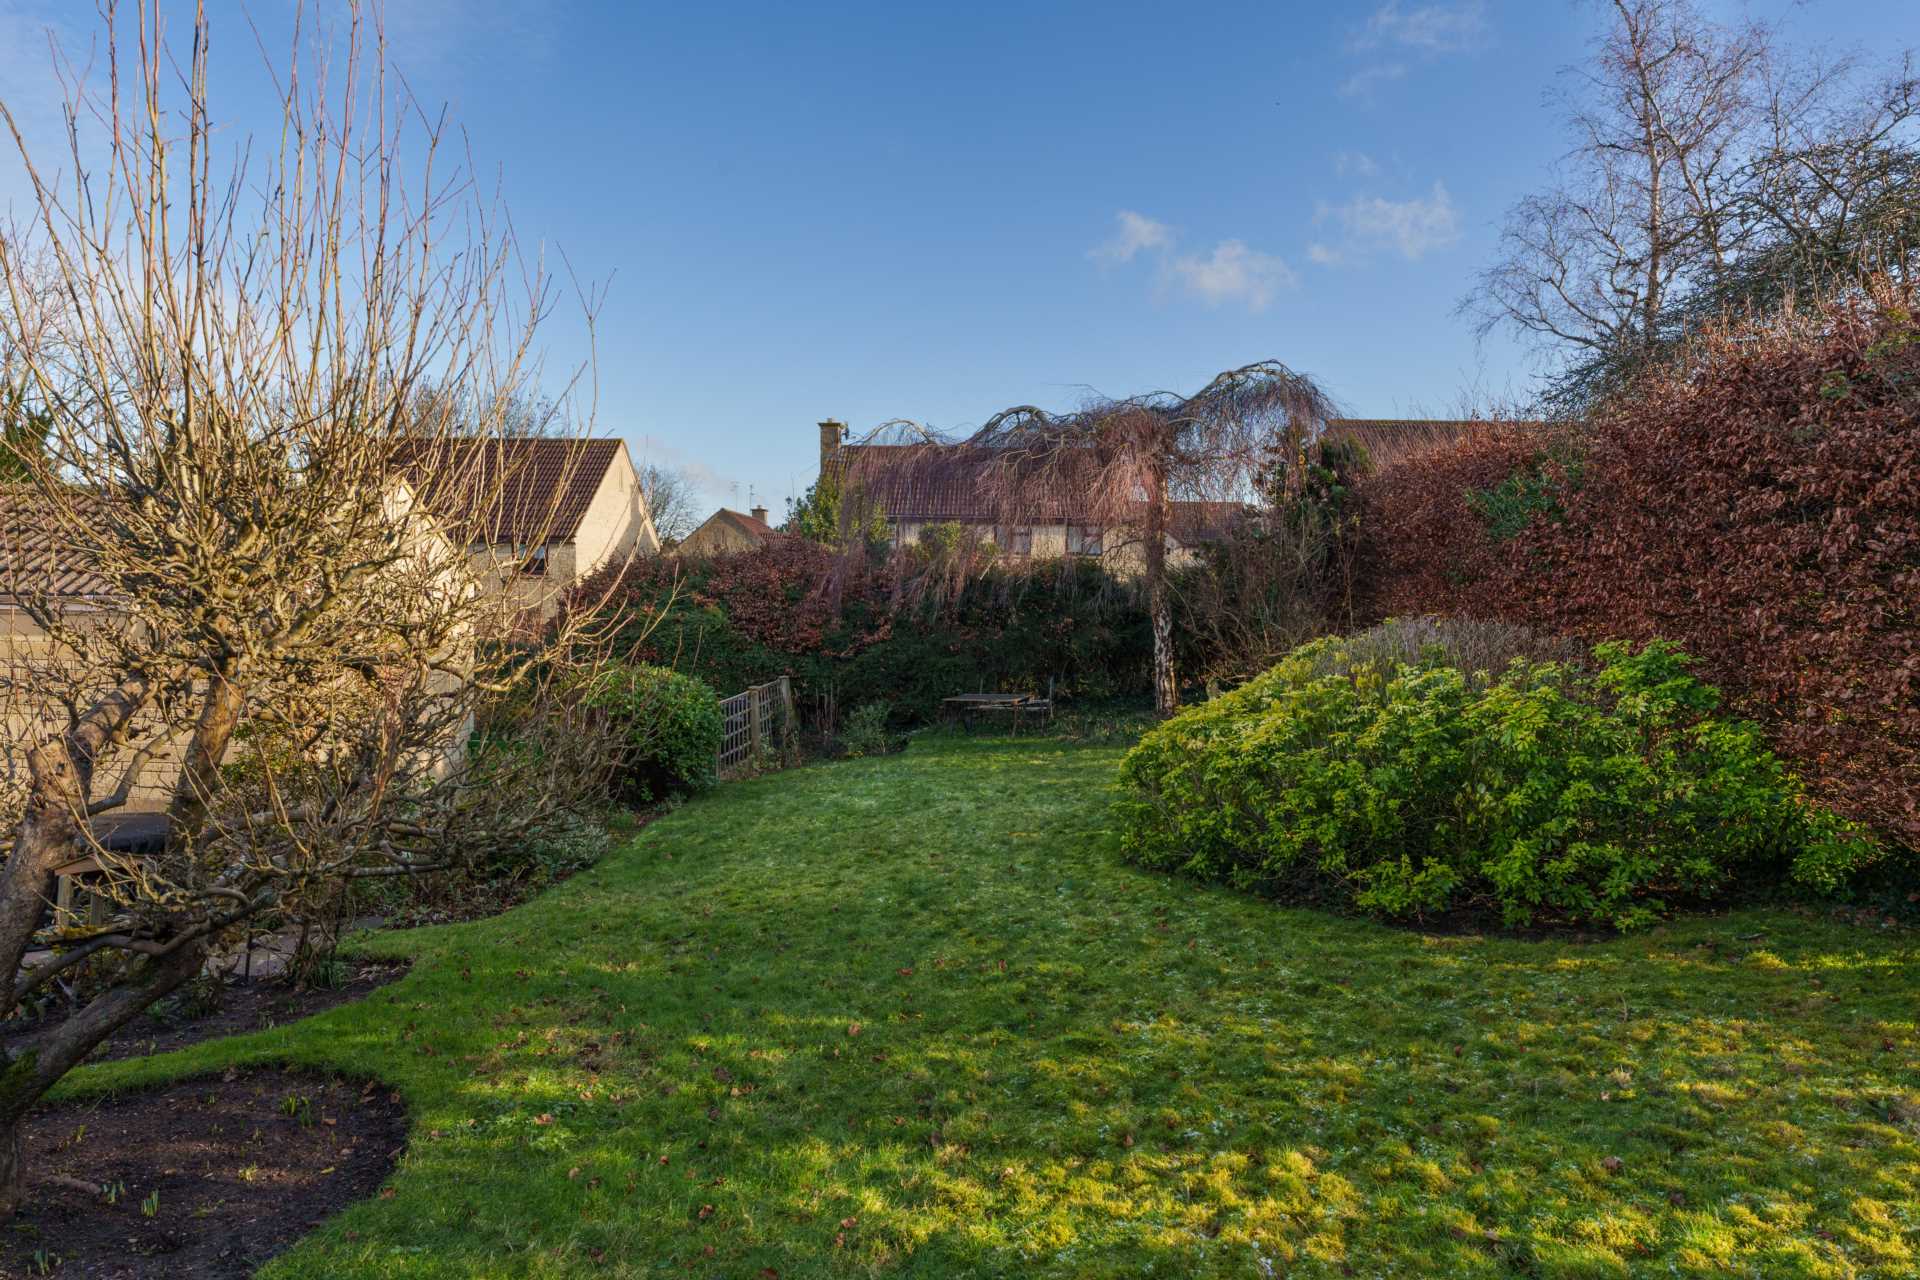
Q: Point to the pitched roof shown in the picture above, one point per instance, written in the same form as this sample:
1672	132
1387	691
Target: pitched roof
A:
758	530
1391	440
36	557
918	483
513	490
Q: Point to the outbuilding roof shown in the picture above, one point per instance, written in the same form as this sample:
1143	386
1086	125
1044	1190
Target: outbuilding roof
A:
36	557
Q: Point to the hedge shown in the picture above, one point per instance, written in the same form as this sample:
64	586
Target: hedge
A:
1758	505
851	634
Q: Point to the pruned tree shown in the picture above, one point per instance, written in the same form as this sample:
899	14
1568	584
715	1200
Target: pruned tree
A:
223	584
1116	466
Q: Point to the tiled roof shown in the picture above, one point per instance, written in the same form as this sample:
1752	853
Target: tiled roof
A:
1391	440
35	556
922	485
758	530
516	490
918	483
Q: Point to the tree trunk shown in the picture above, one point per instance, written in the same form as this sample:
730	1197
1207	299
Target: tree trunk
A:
60	773
1166	683
35	1065
12	1172
199	772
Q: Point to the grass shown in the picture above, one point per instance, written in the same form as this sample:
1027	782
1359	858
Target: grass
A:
909	1017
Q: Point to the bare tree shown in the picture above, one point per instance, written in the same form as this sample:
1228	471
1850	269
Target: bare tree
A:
1659	114
1708	170
223	580
1117	465
1828	200
671	499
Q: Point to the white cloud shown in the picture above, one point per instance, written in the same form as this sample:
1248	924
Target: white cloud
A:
651	449
1134	234
1413	228
1432	28
1322	255
1233	273
1354	164
1363	82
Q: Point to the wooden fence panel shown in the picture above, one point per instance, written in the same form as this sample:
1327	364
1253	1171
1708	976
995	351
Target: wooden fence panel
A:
758	728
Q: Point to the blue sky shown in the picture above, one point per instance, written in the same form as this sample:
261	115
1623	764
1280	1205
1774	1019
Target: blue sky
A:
905	210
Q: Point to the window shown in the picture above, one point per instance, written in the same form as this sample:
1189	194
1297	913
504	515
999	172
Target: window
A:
1016	540
1083	540
532	560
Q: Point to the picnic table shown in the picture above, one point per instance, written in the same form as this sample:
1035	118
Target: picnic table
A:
1017	707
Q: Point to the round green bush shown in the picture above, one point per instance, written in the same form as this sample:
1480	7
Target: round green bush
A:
671	726
1407	786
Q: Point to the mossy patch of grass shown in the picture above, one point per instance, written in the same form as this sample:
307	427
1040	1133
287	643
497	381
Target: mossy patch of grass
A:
911	1016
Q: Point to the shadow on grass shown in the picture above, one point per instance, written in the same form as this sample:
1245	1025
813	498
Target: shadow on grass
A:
909	1016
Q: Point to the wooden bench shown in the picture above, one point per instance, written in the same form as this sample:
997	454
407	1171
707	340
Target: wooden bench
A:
1017	707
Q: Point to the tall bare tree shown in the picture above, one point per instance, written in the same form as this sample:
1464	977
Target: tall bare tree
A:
1709	167
223	579
1658	115
1117	465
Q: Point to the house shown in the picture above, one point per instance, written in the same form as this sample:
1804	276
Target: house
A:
726	533
544	513
912	496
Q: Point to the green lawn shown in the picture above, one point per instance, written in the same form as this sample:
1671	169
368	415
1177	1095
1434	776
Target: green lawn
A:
909	1016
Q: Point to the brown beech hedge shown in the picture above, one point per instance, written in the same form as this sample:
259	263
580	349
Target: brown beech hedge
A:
1759	505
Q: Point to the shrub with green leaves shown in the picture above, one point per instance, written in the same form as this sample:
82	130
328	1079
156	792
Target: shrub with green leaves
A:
671	725
1601	793
864	731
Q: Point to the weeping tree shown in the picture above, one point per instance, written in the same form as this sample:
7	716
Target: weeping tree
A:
238	586
1130	473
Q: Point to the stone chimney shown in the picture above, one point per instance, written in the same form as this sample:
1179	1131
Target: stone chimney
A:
832	432
759	513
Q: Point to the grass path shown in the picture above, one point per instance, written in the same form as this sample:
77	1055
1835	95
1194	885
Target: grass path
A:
908	1017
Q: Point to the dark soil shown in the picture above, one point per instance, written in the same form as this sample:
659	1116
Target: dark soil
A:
234	1169
233	1008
